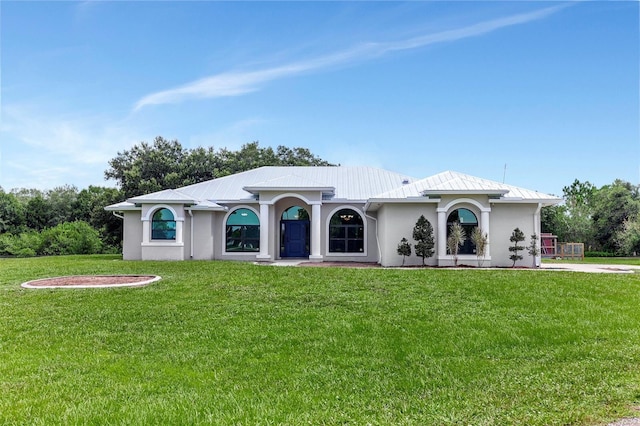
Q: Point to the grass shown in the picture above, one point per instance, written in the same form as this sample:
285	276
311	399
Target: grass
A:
235	343
599	260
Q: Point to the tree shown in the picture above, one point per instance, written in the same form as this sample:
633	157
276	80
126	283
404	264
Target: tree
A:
165	164
628	238
90	208
516	236
613	205
404	249
533	248
12	214
456	238
481	241
423	234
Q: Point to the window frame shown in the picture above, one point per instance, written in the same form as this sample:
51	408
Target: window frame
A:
248	244
154	221
345	230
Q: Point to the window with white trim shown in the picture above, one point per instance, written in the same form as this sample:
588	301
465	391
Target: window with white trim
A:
346	232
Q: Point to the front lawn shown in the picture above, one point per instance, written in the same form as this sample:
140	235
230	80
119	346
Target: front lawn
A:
236	343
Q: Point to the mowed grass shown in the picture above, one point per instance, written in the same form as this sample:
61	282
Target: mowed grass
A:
236	343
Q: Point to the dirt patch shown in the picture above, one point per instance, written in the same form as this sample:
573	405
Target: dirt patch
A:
89	281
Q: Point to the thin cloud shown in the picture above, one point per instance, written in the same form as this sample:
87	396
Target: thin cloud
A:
240	83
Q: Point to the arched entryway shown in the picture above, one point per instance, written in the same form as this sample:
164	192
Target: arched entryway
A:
294	232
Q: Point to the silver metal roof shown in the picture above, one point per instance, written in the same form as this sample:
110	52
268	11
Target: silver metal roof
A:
354	183
351	183
459	183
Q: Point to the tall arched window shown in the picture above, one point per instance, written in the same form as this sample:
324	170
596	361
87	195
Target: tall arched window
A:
346	232
468	220
243	231
163	225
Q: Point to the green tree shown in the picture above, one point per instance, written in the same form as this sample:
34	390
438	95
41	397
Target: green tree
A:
613	205
423	235
12	214
516	237
166	164
62	202
90	208
455	240
404	249
628	238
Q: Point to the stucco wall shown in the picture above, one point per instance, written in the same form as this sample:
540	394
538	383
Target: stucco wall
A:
202	235
504	219
132	236
397	221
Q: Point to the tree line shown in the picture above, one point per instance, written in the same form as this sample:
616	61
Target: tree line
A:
605	219
66	220
32	221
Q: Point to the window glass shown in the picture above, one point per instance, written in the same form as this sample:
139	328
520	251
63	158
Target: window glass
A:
243	231
295	213
346	232
163	225
468	220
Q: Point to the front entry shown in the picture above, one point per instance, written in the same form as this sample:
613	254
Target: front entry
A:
294	238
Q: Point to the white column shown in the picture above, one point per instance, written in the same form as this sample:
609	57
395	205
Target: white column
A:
442	234
146	231
316	233
179	233
484	227
264	233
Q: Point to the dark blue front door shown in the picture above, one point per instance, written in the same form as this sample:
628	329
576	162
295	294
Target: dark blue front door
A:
295	238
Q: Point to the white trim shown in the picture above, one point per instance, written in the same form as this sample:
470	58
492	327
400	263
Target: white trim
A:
157	207
365	231
293	195
224	232
471	201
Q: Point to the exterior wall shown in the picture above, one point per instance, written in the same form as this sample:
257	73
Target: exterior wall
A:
132	236
396	221
202	239
504	219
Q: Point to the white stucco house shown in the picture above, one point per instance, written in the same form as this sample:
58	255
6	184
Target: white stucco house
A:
326	214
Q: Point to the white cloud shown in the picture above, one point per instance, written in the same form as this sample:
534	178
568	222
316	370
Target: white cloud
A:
240	83
42	150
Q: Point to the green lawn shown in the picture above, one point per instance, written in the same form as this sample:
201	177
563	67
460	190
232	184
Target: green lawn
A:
235	343
599	260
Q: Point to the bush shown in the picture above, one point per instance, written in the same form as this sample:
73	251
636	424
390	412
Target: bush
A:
67	238
71	238
599	254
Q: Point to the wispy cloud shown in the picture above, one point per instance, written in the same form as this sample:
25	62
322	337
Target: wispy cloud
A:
34	139
240	83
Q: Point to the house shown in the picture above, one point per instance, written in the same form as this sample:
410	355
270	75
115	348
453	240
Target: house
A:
326	214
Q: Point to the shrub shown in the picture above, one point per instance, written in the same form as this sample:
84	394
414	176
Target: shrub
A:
404	249
516	236
456	238
71	238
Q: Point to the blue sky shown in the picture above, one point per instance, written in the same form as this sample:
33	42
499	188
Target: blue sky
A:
549	89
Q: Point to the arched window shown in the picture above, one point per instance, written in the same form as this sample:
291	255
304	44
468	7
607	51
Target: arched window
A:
295	213
163	225
468	220
346	232
243	231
